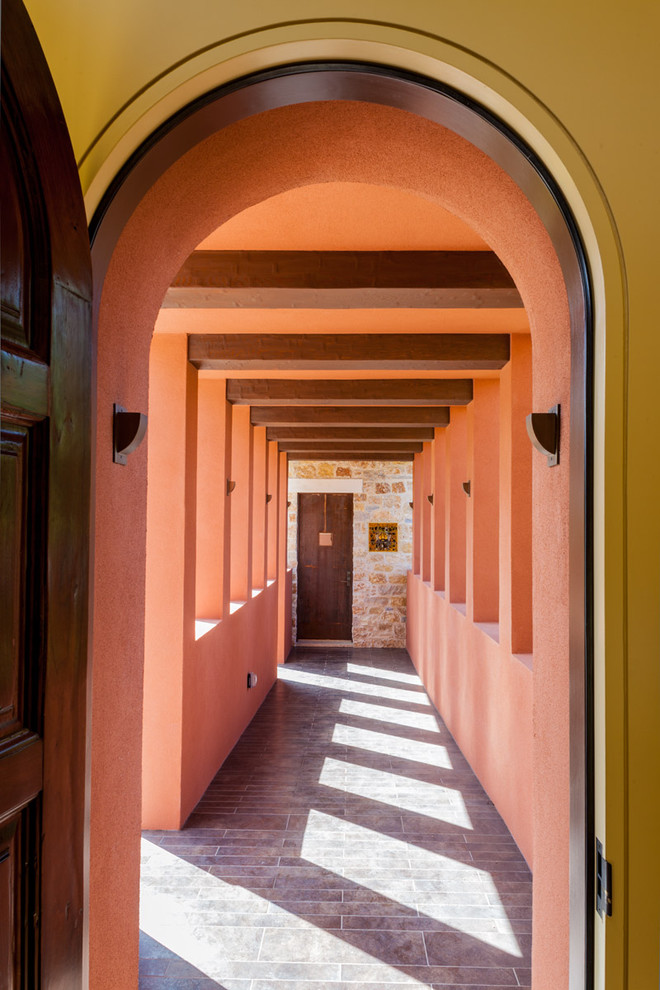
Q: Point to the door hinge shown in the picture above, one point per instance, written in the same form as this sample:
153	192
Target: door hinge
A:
603	882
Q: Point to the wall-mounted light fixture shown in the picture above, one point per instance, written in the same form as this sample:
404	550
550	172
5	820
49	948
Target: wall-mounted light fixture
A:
230	486
252	680
128	430
269	498
543	431
410	504
430	498
467	488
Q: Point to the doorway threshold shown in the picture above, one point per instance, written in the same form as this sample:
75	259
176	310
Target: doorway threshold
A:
324	642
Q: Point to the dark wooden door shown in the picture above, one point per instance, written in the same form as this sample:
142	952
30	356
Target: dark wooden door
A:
325	566
44	525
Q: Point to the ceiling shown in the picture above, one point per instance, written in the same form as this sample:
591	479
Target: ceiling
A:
350	317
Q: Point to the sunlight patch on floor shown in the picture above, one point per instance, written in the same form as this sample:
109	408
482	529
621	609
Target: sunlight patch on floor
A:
383	674
393	716
444	804
398	746
172	920
353	687
324	843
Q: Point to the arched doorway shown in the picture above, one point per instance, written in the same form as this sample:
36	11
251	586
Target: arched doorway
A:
140	242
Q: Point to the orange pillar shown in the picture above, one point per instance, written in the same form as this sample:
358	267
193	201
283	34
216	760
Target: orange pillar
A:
425	512
455	502
211	498
439	490
418	474
283	609
516	499
241	505
226	460
482	560
259	507
272	522
169	589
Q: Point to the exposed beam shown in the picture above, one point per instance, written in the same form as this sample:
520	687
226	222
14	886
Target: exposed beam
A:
332	455
329	434
344	269
349	416
354	446
344	392
343	279
295	352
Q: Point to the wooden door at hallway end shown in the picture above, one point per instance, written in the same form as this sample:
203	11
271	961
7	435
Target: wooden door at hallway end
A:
325	566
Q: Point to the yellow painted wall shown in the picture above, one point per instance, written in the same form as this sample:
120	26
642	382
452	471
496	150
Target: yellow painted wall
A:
579	80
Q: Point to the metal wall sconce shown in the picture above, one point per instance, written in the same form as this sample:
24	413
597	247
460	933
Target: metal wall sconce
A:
128	430
269	498
467	488
543	431
410	504
430	498
230	486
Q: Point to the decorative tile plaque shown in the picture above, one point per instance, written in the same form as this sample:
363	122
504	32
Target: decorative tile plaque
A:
383	536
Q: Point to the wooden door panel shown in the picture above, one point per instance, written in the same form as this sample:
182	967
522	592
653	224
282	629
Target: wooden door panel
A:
14	280
325	598
45	299
12	558
8	877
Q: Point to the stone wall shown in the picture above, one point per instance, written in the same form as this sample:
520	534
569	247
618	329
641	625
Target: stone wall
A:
379	578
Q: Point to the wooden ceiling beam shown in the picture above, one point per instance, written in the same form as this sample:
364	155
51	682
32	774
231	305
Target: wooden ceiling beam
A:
343	279
331	455
386	416
329	434
345	392
344	269
354	446
360	351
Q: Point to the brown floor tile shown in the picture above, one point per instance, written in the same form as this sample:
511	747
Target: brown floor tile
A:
313	864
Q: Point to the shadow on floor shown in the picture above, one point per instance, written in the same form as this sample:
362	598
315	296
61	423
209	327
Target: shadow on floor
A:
345	842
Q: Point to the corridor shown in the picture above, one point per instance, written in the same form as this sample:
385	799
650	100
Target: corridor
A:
344	843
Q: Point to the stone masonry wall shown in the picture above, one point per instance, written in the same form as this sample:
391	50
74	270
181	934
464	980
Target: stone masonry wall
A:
379	578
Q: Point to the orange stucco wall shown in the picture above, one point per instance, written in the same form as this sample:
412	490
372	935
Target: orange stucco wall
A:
196	701
257	158
485	697
217	705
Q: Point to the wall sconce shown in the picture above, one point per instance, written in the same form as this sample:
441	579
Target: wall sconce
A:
128	430
430	498
251	680
230	486
467	488
410	504
543	431
269	498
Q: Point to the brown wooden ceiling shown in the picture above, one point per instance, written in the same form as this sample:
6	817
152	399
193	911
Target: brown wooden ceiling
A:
342	395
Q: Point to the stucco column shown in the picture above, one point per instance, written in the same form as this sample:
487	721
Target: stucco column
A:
456	474
516	499
439	490
482	546
241	505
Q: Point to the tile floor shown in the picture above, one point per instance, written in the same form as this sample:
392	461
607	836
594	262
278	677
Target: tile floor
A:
344	843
